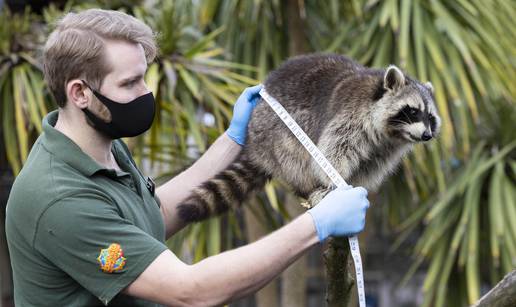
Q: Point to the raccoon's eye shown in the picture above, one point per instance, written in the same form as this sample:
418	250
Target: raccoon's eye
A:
413	111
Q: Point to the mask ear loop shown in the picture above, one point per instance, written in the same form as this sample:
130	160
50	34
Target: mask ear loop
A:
87	85
95	93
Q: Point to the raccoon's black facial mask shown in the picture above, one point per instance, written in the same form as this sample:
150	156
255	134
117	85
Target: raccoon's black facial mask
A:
407	115
414	124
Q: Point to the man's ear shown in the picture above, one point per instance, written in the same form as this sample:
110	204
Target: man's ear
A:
76	93
393	79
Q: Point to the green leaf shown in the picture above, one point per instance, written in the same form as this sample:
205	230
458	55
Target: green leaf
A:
271	196
19	106
436	265
9	134
214	234
470	204
189	81
483	167
495	217
431	44
152	78
447	135
38	85
509	206
28	93
472	262
385	12
203	43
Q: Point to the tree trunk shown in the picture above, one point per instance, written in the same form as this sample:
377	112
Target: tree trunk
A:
502	295
296	23
338	265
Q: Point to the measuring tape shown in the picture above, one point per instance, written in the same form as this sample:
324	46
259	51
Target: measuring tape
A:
335	177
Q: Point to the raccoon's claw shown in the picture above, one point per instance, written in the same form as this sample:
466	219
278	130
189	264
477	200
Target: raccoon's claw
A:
306	204
332	186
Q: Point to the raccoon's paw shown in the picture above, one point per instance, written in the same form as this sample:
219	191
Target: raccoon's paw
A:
316	196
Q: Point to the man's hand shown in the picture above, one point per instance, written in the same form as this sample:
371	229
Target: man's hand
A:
242	111
340	213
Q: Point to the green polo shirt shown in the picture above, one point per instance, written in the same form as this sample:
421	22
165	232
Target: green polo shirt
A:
79	233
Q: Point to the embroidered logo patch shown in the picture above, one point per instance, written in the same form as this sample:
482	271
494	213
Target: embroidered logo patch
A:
111	259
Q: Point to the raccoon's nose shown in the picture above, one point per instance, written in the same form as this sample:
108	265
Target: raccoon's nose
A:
426	136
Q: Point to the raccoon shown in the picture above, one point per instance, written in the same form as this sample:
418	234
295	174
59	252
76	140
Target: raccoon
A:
363	120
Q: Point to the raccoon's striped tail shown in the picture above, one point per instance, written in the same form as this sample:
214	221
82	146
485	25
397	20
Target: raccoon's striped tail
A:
227	190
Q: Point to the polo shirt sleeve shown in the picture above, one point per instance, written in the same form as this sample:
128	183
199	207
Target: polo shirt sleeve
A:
86	237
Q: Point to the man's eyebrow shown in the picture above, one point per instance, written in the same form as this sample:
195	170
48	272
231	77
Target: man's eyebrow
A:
131	78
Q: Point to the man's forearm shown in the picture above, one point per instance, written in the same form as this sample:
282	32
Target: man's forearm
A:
227	276
220	154
245	270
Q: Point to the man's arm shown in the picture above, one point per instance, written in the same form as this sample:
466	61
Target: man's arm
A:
240	272
220	154
228	276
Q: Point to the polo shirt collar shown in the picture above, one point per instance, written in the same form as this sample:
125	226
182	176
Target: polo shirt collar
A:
65	149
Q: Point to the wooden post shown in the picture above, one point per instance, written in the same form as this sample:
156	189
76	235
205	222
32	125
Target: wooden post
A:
502	295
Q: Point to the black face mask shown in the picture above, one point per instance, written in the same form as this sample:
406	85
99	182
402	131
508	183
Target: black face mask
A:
127	119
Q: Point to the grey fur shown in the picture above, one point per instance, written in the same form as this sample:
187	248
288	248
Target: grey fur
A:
357	116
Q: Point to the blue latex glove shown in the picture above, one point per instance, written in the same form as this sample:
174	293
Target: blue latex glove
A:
340	213
242	113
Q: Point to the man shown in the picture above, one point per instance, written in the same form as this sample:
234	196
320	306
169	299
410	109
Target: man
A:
84	226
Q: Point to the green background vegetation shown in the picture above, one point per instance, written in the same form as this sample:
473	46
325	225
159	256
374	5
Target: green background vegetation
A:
457	194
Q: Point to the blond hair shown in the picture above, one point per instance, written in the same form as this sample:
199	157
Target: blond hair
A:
75	49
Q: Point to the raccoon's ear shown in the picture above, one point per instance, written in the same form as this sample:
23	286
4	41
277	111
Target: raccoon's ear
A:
393	79
429	86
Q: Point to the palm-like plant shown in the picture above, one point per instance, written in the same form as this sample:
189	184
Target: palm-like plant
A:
465	49
23	101
472	223
453	45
